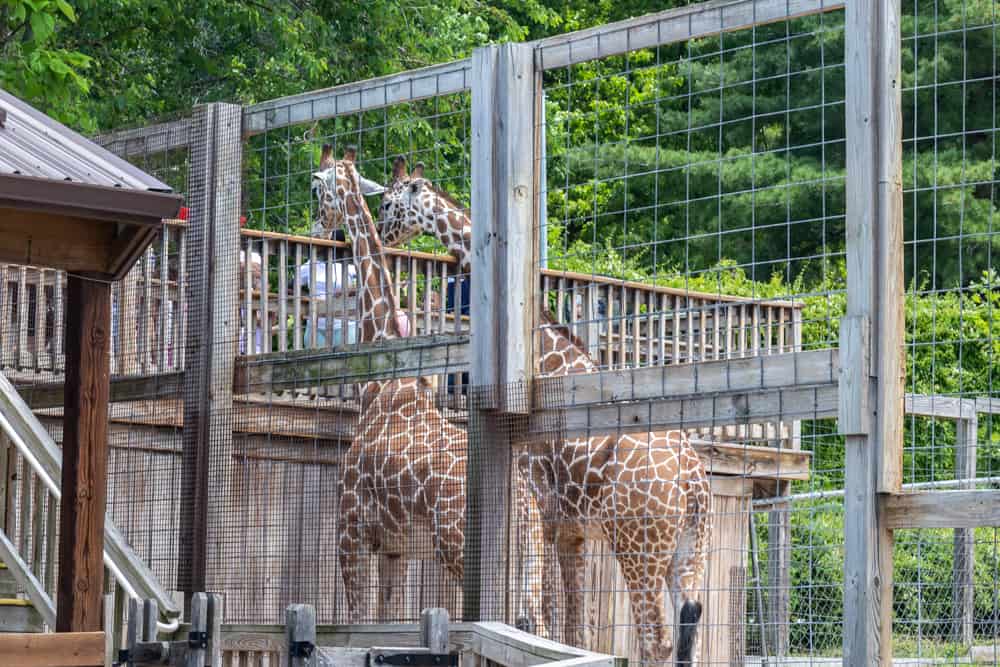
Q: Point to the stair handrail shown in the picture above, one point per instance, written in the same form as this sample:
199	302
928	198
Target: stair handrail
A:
40	451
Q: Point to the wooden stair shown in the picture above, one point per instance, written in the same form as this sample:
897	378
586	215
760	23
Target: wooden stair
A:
16	614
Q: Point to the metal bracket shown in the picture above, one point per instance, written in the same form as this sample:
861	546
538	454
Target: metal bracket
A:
197	639
414	659
302	649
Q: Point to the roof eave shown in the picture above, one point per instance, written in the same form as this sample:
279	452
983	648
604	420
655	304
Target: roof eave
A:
98	202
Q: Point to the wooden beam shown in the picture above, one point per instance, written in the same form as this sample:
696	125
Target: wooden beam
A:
84	456
699	20
421	355
753	463
122	388
723	409
872	331
418	84
147	140
734	376
46	239
942	509
65	649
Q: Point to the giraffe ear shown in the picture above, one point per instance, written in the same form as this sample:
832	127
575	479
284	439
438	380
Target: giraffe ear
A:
326	157
418	171
399	168
350	154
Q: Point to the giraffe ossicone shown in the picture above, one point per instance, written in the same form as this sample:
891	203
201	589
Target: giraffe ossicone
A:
647	495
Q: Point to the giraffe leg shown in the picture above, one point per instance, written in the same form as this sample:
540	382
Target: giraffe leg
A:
646	577
688	568
349	554
573	568
391	584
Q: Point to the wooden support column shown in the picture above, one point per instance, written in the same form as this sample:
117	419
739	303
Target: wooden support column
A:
80	587
505	98
966	437
871	337
212	268
779	569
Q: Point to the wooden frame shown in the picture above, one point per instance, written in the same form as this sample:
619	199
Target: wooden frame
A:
66	649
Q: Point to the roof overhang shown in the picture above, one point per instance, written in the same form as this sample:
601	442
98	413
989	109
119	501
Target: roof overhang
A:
81	228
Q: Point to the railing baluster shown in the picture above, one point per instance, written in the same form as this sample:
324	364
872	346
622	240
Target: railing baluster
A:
443	296
297	300
328	319
146	318
411	292
265	293
38	353
57	322
22	317
164	329
283	295
248	332
428	294
37	525
609	319
636	328
51	521
312	326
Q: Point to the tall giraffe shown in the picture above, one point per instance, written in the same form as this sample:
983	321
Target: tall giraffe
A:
647	495
406	466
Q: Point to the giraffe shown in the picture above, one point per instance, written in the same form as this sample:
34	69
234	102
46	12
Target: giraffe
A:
406	465
648	496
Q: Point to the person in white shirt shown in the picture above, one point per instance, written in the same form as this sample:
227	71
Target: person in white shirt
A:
256	266
319	290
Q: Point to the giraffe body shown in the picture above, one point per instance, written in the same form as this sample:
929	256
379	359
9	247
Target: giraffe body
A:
404	474
648	496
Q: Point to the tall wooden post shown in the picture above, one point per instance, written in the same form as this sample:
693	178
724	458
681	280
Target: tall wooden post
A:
212	268
871	337
80	587
505	96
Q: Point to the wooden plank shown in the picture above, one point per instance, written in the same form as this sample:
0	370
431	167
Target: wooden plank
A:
122	389
942	509
418	84
664	413
195	657
434	630
813	367
412	356
84	457
65	649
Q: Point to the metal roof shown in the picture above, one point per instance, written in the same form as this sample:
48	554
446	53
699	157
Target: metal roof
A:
34	145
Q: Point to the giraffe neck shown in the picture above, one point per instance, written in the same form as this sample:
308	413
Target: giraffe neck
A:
378	298
451	225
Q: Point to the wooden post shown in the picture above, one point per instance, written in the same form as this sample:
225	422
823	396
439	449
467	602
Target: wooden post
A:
195	656
434	630
505	98
966	441
779	568
213	261
300	633
871	337
84	456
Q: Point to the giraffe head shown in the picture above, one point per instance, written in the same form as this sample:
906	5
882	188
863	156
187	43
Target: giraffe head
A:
330	186
411	205
400	215
561	352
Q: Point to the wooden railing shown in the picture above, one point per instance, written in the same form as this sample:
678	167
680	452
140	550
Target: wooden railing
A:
308	294
626	324
148	311
623	324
